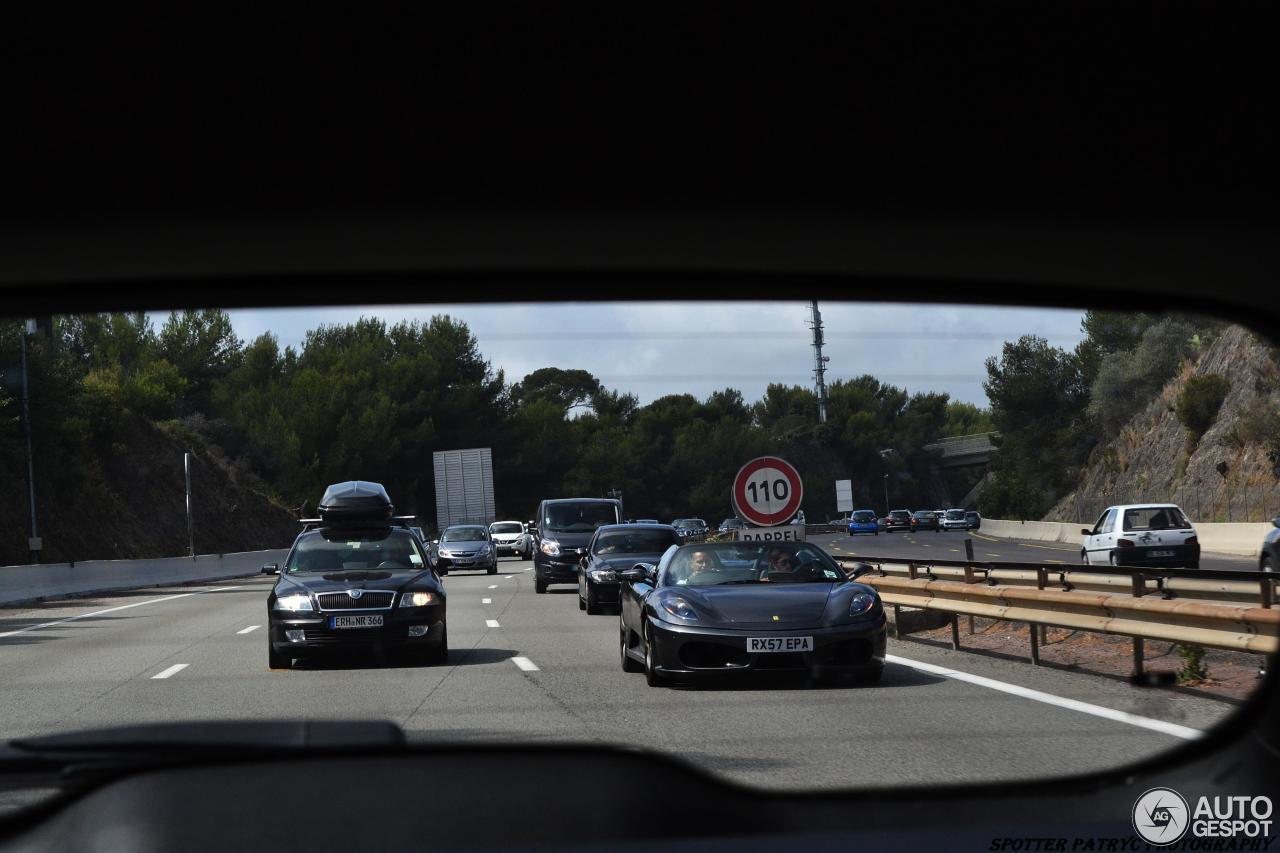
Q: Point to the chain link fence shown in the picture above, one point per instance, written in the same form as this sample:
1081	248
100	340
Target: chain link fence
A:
1203	503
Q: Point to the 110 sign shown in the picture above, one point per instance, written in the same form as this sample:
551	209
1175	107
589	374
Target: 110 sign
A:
767	491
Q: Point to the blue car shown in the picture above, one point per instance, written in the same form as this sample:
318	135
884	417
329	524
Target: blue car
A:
863	521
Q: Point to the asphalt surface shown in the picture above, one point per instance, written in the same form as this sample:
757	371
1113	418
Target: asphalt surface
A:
914	727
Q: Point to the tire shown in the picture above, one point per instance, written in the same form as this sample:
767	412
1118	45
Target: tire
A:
1084	556
493	570
539	586
591	605
1114	560
1266	564
582	605
278	660
651	674
628	665
442	572
439	654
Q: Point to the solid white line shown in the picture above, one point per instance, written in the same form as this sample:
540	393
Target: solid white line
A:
493	586
529	569
491	623
249	630
525	664
109	610
486	601
1161	726
173	670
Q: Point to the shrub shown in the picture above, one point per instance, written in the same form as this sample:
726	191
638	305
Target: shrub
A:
1199	402
1193	668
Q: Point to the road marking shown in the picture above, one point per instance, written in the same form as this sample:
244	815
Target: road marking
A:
173	670
989	554
493	586
491	623
1161	726
249	630
955	550
1047	560
507	577
1046	547
525	664
486	601
18	631
980	536
529	569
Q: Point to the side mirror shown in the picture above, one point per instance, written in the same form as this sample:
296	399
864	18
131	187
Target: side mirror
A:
1275	522
860	569
1084	531
271	569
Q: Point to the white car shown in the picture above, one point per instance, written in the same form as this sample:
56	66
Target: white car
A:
1142	535
510	537
954	519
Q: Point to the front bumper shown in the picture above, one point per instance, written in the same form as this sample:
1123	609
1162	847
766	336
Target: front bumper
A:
686	651
317	633
463	565
605	592
549	570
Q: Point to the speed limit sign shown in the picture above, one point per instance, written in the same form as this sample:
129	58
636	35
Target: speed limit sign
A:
767	491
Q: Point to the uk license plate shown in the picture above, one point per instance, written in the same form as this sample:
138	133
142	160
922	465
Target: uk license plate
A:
356	622
1161	553
779	644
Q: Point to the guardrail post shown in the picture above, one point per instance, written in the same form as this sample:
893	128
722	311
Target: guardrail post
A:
968	549
911	570
1035	643
1137	655
955	632
968	574
1267	593
971	630
1139	585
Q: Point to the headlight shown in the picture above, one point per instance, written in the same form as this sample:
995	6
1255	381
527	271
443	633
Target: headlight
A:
604	576
418	599
861	603
485	549
294	603
551	548
677	606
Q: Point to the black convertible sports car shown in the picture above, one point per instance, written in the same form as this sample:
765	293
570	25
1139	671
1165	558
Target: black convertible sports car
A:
356	576
617	547
743	606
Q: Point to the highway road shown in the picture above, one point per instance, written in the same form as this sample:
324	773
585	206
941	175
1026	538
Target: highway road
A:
533	668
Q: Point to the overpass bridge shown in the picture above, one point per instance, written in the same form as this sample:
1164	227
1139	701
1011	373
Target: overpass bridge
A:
961	451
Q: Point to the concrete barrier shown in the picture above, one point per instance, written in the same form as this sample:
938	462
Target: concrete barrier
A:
20	584
1235	540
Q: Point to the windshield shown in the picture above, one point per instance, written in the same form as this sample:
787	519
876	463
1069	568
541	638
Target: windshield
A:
474	418
463	534
739	563
634	542
322	552
580	518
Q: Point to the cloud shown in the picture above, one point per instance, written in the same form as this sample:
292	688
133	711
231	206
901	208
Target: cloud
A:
654	349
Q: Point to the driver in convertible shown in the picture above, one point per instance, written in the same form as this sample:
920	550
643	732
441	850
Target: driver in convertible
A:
789	567
700	568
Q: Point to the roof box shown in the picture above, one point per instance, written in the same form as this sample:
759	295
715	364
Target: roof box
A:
355	501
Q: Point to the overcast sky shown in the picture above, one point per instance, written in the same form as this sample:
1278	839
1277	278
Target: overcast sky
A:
671	348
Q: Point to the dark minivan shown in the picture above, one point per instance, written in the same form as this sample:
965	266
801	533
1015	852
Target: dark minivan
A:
560	537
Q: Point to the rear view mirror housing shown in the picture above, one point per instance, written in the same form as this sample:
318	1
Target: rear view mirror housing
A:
860	569
271	568
1086	531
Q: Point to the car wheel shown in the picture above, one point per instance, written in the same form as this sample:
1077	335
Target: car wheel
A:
1266	563
442	572
439	653
582	605
1084	556
1115	561
628	665
278	660
539	586
493	570
651	674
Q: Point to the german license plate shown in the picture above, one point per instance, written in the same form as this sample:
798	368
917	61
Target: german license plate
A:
356	622
1161	553
779	644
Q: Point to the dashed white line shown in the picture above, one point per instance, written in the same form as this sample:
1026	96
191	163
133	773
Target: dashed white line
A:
525	664
529	569
173	670
493	586
491	623
486	601
18	631
507	577
249	630
1161	726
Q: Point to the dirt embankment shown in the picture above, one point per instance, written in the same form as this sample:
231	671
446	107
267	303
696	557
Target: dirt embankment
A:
130	503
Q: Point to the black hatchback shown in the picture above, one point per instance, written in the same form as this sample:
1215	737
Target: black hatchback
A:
615	548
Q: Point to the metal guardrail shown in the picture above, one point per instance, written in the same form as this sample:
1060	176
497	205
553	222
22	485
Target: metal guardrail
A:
1240	617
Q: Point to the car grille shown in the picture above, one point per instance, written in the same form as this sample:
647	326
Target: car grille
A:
369	600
